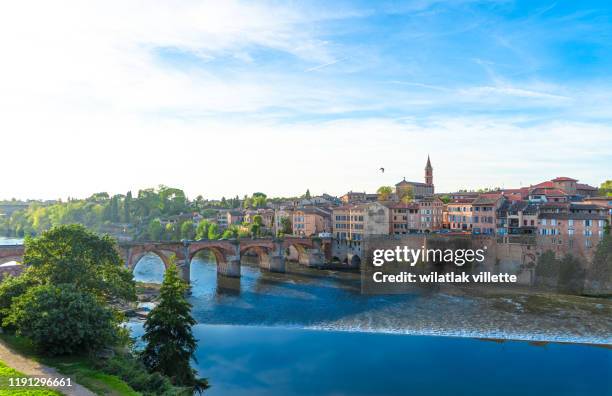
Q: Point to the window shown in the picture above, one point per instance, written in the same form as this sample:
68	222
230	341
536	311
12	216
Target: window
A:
587	223
543	221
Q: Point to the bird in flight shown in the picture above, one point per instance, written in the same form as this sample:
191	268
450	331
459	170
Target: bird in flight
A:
382	170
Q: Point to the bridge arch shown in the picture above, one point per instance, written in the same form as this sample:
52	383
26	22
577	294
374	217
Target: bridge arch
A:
8	259
149	271
263	255
135	259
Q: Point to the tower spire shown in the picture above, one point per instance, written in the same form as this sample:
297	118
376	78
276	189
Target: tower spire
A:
428	172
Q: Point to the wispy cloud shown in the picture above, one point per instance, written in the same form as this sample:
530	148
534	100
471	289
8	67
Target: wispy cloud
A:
150	80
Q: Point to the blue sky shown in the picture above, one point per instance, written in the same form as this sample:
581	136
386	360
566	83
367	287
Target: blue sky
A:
204	95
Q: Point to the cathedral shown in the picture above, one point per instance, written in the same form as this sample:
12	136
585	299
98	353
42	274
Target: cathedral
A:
416	189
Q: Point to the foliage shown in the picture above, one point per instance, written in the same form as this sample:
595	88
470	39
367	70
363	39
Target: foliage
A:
285	226
601	269
445	198
384	193
307	194
10	288
98	212
187	231
547	270
86	369
606	188
62	320
406	194
71	254
213	231
571	275
202	230
259	200
135	374
256	228
170	341
155	230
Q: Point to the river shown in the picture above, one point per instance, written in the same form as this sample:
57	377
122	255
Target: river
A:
310	332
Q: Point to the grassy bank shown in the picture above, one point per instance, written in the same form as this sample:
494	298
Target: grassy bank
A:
7	372
82	368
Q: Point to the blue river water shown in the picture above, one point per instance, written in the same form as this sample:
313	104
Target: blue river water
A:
254	360
310	332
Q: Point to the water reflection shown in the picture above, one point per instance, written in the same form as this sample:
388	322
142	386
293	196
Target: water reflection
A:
247	360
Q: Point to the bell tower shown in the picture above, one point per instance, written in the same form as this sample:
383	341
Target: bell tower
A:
428	173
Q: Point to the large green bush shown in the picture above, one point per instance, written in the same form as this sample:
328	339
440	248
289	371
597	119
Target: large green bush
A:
62	320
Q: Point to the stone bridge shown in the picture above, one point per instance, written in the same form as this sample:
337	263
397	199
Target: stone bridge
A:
271	253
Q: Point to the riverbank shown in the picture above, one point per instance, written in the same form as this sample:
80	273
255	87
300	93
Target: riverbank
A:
89	380
9	373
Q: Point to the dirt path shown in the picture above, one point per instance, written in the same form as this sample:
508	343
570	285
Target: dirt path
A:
32	367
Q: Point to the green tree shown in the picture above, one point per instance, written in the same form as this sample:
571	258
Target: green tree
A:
167	332
601	268
71	254
155	230
406	194
247	202
169	232
307	194
445	198
259	200
127	207
547	268
571	275
229	233
62	319
285	223
199	203
202	230
213	231
384	193
12	287
114	209
257	225
606	188
187	231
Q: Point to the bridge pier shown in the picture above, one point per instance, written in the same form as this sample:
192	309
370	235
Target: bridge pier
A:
230	267
312	258
277	263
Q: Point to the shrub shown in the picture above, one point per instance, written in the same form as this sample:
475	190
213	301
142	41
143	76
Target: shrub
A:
133	371
62	320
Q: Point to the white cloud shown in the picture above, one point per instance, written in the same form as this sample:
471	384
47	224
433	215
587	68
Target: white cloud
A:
87	106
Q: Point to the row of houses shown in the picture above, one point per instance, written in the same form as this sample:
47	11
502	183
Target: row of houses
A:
561	212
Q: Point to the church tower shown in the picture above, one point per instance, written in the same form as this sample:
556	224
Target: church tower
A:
428	173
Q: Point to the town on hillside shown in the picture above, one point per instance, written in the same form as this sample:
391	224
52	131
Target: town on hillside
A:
563	214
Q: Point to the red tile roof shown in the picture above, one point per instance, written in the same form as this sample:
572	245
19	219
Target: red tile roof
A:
580	186
563	178
555	192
